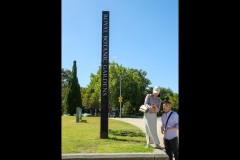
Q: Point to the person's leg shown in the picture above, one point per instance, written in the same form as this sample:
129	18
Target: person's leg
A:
153	128
174	145
147	130
168	148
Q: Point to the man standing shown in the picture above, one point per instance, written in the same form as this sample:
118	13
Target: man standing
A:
170	130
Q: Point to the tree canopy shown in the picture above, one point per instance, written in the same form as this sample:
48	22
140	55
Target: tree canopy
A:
73	97
134	87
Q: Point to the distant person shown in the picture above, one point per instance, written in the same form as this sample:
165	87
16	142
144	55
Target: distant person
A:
152	103
170	130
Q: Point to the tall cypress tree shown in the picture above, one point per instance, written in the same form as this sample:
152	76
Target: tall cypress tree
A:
74	98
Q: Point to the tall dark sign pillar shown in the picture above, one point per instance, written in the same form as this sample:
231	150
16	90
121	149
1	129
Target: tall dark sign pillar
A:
104	75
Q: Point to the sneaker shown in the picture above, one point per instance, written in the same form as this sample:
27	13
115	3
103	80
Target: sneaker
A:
158	147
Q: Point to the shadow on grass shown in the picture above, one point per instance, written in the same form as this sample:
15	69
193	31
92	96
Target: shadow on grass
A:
124	133
83	121
133	133
120	139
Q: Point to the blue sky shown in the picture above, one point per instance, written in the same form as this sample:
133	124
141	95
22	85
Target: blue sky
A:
143	35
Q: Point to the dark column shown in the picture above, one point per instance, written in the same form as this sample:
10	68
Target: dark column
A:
104	75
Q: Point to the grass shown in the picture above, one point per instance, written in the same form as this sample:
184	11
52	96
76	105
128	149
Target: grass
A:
84	137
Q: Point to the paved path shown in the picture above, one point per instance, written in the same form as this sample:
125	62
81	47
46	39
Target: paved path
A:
138	122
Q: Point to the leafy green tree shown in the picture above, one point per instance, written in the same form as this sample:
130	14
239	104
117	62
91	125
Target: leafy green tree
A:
66	74
92	97
174	100
83	94
74	95
165	93
133	88
133	84
64	100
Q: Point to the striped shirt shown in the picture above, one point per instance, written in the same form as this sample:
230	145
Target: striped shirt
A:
150	100
172	122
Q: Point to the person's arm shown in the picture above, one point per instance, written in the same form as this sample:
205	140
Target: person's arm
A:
147	101
158	106
176	122
154	108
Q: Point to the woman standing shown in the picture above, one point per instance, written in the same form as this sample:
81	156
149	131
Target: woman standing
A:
152	103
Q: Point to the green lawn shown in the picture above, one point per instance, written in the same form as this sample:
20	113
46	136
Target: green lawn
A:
84	137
